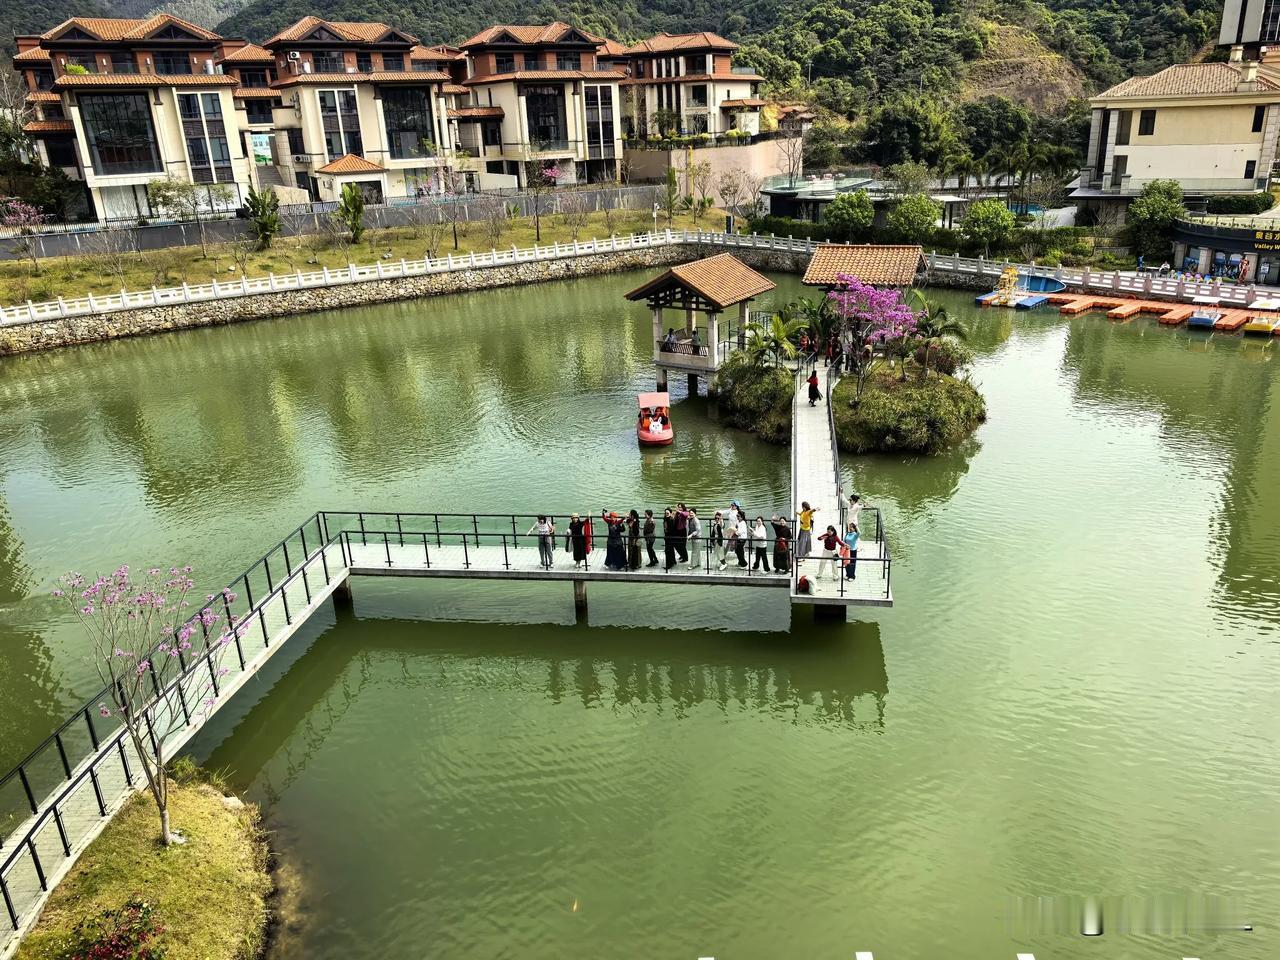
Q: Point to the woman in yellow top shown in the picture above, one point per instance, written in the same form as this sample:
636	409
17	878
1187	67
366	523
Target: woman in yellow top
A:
804	542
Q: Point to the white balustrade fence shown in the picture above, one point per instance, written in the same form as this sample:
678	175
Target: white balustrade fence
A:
91	305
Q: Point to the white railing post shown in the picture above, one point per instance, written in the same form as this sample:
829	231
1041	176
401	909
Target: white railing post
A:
62	307
351	272
186	294
215	287
575	247
613	241
772	242
298	278
155	295
93	307
31	310
473	258
404	268
324	271
271	281
377	268
450	255
244	285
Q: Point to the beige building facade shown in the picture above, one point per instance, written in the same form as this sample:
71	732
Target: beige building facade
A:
1213	127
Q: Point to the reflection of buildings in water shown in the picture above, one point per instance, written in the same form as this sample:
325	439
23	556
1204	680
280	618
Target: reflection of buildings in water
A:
811	676
1207	389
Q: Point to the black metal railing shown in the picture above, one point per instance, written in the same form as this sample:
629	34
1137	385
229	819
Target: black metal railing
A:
87	759
492	541
77	738
686	347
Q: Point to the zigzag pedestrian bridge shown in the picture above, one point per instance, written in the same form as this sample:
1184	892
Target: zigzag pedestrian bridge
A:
62	795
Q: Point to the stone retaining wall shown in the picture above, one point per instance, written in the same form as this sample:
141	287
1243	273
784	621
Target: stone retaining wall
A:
49	334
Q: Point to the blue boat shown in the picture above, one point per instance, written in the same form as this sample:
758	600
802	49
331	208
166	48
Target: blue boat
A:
1031	302
1204	318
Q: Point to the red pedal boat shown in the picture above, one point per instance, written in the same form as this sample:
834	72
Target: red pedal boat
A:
653	423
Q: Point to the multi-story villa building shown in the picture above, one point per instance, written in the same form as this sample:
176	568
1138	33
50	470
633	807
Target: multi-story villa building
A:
686	83
1210	126
360	103
120	103
539	97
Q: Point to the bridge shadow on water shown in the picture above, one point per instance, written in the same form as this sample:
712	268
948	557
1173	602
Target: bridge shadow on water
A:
830	676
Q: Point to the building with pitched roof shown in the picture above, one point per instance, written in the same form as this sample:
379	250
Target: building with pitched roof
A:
1212	127
538	97
686	83
362	89
120	103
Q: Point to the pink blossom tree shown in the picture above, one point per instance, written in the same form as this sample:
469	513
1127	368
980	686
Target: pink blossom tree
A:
160	674
23	217
879	322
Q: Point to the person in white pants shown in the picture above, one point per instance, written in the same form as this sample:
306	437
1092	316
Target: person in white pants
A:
831	542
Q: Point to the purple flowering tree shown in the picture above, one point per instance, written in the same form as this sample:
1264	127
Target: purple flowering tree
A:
160	668
23	217
880	324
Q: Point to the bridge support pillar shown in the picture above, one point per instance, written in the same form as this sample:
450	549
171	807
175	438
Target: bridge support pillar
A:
580	600
693	384
343	605
661	382
830	613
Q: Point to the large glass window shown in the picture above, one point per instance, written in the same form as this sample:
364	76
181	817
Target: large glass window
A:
253	78
504	63
207	151
695	63
568	61
393	61
120	133
258	110
123	63
171	63
545	110
327	61
407	112
600	129
364	62
341	120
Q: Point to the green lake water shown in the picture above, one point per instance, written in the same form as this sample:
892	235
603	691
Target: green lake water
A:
1075	694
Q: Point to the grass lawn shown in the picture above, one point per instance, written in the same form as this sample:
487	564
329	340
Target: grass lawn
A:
108	273
209	894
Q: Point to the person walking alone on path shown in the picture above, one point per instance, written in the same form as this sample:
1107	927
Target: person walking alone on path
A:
814	393
669	537
694	530
830	542
760	541
781	544
804	544
633	540
650	528
546	531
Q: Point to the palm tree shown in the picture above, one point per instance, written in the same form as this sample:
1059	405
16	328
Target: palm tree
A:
775	339
964	167
818	317
933	324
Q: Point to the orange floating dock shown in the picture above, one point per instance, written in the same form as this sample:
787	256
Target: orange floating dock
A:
1169	314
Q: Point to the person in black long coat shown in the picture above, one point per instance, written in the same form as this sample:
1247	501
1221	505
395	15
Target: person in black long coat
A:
669	537
650	534
781	544
615	555
578	540
633	540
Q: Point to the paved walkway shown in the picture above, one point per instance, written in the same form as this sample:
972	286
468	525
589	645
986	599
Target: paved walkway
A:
813	479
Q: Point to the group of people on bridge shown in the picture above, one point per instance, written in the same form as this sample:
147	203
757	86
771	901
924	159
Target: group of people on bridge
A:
688	540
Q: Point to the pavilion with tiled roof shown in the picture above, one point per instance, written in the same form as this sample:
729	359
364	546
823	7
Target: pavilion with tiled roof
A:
881	265
709	286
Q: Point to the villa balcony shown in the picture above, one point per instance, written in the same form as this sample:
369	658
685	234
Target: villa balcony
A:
1129	186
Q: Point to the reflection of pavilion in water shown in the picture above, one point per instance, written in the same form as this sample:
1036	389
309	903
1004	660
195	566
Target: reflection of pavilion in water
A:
815	677
1224	398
